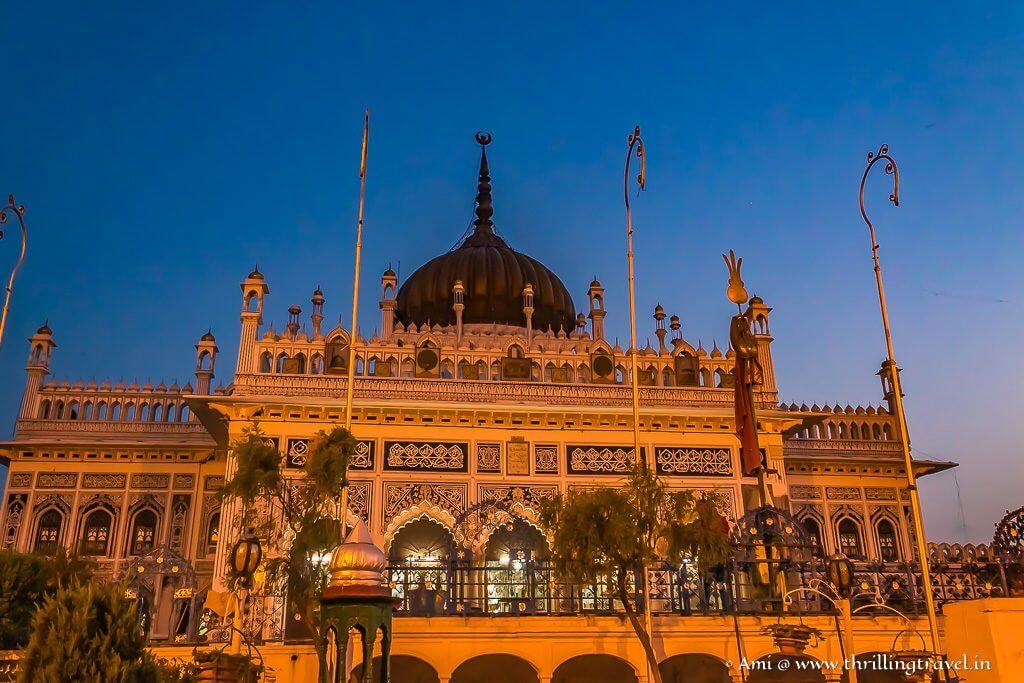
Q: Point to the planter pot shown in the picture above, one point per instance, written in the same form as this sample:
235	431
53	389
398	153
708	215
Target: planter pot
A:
220	667
791	640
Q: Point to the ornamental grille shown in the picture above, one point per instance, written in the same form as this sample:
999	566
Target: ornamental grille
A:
707	462
419	455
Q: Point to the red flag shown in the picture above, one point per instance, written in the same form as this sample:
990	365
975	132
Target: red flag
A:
746	427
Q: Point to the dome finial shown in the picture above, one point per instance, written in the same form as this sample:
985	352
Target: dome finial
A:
484	209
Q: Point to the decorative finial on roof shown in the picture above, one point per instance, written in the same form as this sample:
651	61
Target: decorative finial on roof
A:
484	208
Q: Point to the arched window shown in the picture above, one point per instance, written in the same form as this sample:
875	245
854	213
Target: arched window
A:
58	411
144	412
115	412
814	532
887	549
252	302
183	415
44	409
212	536
316	365
48	532
87	413
515	351
266	362
169	415
300	359
96	533
205	360
73	410
667	379
849	539
101	411
281	359
129	412
887	433
876	432
143	536
157	412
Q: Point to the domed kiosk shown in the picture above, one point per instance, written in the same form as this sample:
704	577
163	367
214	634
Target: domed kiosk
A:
493	275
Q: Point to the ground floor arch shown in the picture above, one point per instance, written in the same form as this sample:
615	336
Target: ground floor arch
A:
403	669
599	668
694	668
497	668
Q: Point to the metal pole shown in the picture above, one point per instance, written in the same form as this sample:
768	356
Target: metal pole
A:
901	417
19	213
350	385
846	607
635	142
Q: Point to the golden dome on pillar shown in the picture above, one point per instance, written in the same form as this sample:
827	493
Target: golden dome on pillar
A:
358	561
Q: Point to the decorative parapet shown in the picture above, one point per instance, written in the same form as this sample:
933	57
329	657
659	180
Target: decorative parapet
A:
486	391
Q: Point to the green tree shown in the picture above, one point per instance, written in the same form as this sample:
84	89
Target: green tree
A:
24	580
305	528
608	533
88	633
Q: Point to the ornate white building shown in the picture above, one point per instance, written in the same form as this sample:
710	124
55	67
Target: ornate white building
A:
486	391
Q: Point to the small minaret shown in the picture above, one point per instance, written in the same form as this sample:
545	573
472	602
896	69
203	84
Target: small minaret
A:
206	357
528	312
677	334
757	314
388	304
597	312
294	311
659	328
254	288
40	347
318	313
458	305
888	391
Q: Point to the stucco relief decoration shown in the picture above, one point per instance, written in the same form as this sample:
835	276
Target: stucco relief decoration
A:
879	493
184	481
600	459
57	480
403	455
399	497
15	512
525	496
297	450
545	459
21	480
722	499
104	481
150	481
359	499
362	459
100	499
842	492
61	501
488	457
803	492
213	483
696	461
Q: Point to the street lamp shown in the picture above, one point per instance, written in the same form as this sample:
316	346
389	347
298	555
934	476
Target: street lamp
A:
894	378
245	558
19	213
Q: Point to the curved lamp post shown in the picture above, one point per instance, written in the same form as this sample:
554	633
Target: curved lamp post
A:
246	555
635	147
894	379
19	213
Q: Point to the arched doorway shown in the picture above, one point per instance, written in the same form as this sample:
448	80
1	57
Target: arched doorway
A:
418	566
594	669
767	669
495	669
512	585
403	669
694	668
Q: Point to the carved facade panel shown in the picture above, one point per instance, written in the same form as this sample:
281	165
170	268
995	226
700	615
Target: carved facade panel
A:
425	456
879	493
362	459
600	459
842	492
545	459
517	457
13	517
57	480
403	496
527	496
488	457
805	492
21	480
184	481
713	462
150	480
213	483
93	480
295	456
359	495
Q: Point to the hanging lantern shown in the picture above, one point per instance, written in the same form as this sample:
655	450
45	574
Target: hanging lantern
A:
246	556
840	574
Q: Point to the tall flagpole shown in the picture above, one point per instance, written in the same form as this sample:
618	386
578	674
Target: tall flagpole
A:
350	385
894	379
635	142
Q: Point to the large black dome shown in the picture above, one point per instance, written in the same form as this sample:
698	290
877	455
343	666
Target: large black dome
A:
493	274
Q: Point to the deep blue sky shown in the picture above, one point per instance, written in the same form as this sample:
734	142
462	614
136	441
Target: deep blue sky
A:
162	151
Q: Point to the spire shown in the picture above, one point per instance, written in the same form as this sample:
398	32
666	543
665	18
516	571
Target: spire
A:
484	210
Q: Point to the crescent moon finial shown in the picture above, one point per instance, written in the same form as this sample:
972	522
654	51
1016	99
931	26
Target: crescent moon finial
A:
483	139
